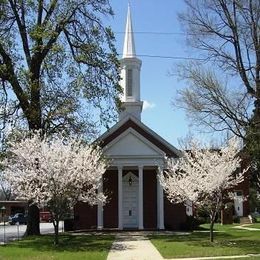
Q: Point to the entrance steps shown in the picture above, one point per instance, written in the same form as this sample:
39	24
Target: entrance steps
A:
245	220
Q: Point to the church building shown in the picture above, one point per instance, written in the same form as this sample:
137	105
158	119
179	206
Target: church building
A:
135	197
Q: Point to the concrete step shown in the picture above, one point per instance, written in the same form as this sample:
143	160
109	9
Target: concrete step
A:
245	220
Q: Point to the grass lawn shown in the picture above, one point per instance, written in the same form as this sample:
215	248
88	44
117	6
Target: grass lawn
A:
71	247
228	241
254	225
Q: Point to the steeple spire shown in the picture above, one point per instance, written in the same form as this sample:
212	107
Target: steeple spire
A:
129	43
130	75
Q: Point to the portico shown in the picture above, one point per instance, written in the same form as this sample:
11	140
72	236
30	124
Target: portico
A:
131	199
130	202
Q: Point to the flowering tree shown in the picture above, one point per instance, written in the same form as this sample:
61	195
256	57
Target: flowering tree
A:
203	177
55	173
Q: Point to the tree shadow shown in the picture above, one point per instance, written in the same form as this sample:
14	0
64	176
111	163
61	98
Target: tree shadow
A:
195	236
244	242
67	243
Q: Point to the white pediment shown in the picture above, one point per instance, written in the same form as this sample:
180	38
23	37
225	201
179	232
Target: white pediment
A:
130	143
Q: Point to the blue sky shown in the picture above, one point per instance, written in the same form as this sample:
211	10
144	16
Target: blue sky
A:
157	87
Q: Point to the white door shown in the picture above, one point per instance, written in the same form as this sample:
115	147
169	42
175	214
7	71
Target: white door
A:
130	201
238	203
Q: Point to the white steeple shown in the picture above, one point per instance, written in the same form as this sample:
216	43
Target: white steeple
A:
129	44
130	75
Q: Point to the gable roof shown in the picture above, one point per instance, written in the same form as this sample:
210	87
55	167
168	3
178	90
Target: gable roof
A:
142	129
132	144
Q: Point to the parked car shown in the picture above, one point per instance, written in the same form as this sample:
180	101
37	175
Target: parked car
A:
45	216
18	218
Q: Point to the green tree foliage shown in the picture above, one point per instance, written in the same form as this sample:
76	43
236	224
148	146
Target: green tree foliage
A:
54	56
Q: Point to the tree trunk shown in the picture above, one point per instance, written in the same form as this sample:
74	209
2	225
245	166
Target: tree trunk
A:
56	230
33	221
211	230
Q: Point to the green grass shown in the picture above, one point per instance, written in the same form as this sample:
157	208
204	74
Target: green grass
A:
71	247
228	241
254	225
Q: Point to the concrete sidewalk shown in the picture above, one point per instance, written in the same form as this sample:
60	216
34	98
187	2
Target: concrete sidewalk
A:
132	246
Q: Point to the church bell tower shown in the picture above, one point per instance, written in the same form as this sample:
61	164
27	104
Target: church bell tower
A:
130	75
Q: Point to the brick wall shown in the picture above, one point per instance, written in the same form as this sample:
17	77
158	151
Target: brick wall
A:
110	188
150	199
174	215
85	216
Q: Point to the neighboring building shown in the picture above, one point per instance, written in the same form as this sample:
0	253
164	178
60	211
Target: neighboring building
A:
135	197
241	201
12	207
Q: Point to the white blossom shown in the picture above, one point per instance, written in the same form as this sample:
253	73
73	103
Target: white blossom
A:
40	169
55	172
203	176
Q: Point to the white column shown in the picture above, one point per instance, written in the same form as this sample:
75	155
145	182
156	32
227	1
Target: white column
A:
140	204
160	201
120	197
100	209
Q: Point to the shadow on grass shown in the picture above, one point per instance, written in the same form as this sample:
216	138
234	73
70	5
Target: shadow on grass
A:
201	228
235	240
195	236
67	243
247	246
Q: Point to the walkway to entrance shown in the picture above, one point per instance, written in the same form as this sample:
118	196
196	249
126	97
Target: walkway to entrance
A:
132	246
136	246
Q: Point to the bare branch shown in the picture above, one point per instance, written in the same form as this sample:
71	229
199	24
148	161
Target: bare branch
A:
22	28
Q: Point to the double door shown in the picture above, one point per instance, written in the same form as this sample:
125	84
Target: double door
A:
130	201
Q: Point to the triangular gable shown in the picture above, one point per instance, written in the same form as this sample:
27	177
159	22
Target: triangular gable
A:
131	143
141	129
